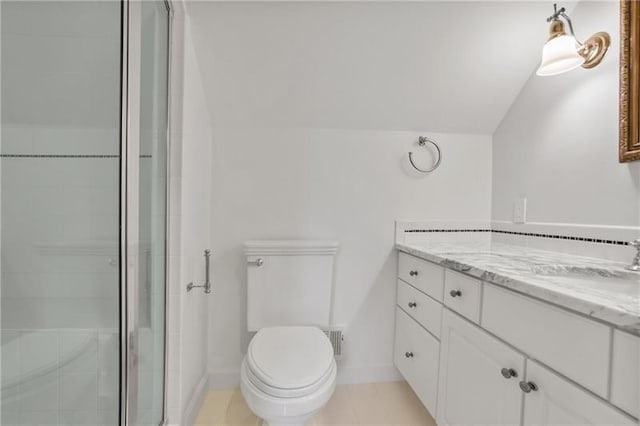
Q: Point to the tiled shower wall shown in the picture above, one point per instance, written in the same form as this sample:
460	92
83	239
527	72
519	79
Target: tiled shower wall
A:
60	207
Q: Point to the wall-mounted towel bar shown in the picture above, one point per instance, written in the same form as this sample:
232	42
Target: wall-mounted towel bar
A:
207	274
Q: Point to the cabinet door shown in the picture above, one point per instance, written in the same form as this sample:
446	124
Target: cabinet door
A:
416	356
471	387
625	372
556	401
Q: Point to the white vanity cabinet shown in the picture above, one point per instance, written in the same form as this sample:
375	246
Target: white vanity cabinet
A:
625	372
575	346
418	314
423	275
556	401
416	354
479	376
462	294
491	355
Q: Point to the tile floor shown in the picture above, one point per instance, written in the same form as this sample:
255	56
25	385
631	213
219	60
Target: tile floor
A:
392	403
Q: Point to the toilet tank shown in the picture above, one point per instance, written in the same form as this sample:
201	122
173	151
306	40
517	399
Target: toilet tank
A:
289	283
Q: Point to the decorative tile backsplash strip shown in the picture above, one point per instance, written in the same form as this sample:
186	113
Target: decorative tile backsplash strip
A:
524	234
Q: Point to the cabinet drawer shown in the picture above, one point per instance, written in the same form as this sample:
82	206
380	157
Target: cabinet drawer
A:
425	276
462	294
625	373
570	344
558	401
416	355
420	307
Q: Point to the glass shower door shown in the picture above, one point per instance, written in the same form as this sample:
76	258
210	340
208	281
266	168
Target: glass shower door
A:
59	196
83	196
154	62
143	210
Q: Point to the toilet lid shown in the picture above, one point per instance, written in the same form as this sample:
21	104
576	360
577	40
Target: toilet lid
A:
290	357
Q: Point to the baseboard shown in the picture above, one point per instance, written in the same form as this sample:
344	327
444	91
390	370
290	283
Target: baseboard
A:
224	379
229	379
192	409
368	374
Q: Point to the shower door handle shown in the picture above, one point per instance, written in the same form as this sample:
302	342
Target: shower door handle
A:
207	273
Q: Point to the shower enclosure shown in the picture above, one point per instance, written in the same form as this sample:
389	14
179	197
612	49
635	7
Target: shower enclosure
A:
83	211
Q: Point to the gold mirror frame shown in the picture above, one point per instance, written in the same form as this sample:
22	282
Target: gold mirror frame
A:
629	80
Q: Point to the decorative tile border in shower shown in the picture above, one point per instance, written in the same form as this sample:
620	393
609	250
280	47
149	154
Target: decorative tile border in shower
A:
66	156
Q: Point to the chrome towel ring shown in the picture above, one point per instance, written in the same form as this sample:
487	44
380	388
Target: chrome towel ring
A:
422	141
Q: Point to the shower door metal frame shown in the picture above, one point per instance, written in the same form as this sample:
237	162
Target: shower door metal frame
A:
167	251
129	208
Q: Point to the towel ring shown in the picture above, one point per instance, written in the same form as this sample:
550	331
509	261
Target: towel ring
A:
422	141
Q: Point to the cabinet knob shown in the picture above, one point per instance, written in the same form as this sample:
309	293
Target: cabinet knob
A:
408	354
528	386
455	293
413	273
508	373
412	304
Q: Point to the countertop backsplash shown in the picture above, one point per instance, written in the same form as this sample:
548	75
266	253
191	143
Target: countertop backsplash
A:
601	242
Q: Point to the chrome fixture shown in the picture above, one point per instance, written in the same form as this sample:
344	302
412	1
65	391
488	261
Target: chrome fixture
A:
455	293
422	141
635	263
412	304
563	52
413	273
528	386
258	262
508	373
408	354
207	273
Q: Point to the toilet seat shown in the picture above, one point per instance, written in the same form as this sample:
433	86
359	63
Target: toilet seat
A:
290	362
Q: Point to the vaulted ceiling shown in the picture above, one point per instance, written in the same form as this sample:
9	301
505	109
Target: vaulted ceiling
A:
438	66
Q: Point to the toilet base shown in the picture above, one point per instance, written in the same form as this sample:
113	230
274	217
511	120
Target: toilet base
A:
281	411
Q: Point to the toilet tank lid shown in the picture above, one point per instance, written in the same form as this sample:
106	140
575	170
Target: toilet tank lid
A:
290	247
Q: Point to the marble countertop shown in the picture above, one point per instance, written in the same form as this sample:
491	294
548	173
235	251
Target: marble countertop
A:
598	288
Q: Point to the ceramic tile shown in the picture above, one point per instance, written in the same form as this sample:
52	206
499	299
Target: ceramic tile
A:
392	403
79	352
238	413
400	400
367	405
214	407
79	390
338	410
78	417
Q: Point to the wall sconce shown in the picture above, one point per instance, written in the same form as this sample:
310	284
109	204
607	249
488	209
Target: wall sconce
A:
563	52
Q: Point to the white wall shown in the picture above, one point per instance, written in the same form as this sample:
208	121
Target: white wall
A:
283	83
314	107
347	185
436	65
189	228
557	146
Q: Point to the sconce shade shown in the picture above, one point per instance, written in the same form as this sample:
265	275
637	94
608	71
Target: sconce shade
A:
560	54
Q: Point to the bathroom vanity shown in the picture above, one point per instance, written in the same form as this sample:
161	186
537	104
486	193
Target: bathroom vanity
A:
500	334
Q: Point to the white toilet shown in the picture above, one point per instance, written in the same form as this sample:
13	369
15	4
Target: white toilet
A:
289	372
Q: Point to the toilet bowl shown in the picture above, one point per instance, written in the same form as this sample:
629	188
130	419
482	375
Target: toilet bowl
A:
288	374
